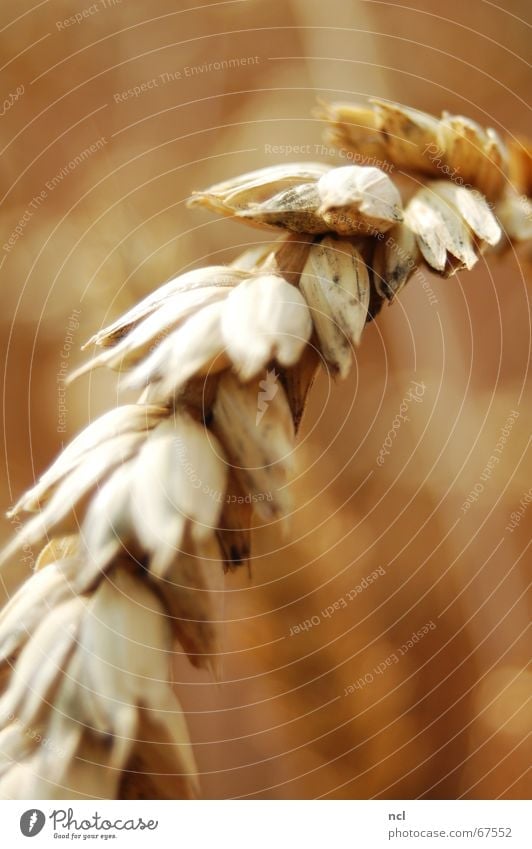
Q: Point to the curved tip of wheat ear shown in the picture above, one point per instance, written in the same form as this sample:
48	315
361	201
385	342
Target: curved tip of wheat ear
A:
147	506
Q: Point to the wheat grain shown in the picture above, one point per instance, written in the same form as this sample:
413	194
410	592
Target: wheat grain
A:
149	501
413	140
338	311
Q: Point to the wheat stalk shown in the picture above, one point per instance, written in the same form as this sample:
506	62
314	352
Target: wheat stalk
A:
144	507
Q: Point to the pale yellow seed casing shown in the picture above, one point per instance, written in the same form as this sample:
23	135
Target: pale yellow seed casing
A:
144	336
195	348
406	134
520	156
125	424
22	614
59	548
452	146
192	589
293	209
67	504
515	214
180	477
441	232
258	447
347	200
472	207
198	278
475	157
356	199
256	187
264	318
335	283
395	260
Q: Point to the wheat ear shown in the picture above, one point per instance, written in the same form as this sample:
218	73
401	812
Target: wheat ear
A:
148	503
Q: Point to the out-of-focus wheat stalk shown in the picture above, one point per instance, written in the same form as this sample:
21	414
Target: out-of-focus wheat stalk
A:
144	508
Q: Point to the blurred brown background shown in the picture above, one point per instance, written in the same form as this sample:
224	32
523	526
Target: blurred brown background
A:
448	717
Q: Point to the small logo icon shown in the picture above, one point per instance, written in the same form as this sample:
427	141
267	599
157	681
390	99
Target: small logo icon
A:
32	822
269	389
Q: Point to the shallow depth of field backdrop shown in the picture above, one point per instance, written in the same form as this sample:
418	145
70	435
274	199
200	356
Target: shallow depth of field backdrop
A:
94	178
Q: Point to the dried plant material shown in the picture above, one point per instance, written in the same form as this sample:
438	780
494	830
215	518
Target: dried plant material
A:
233	196
85	774
452	225
234	534
165	751
335	284
288	257
198	278
252	258
473	208
346	200
194	349
296	209
151	331
120	673
197	396
34	680
520	154
59	548
264	318
57	769
355	199
385	131
395	260
178	488
191	588
28	607
476	155
15	747
260	450
107	527
297	382
173	487
64	510
452	146
115	694
122	426
515	214
442	236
